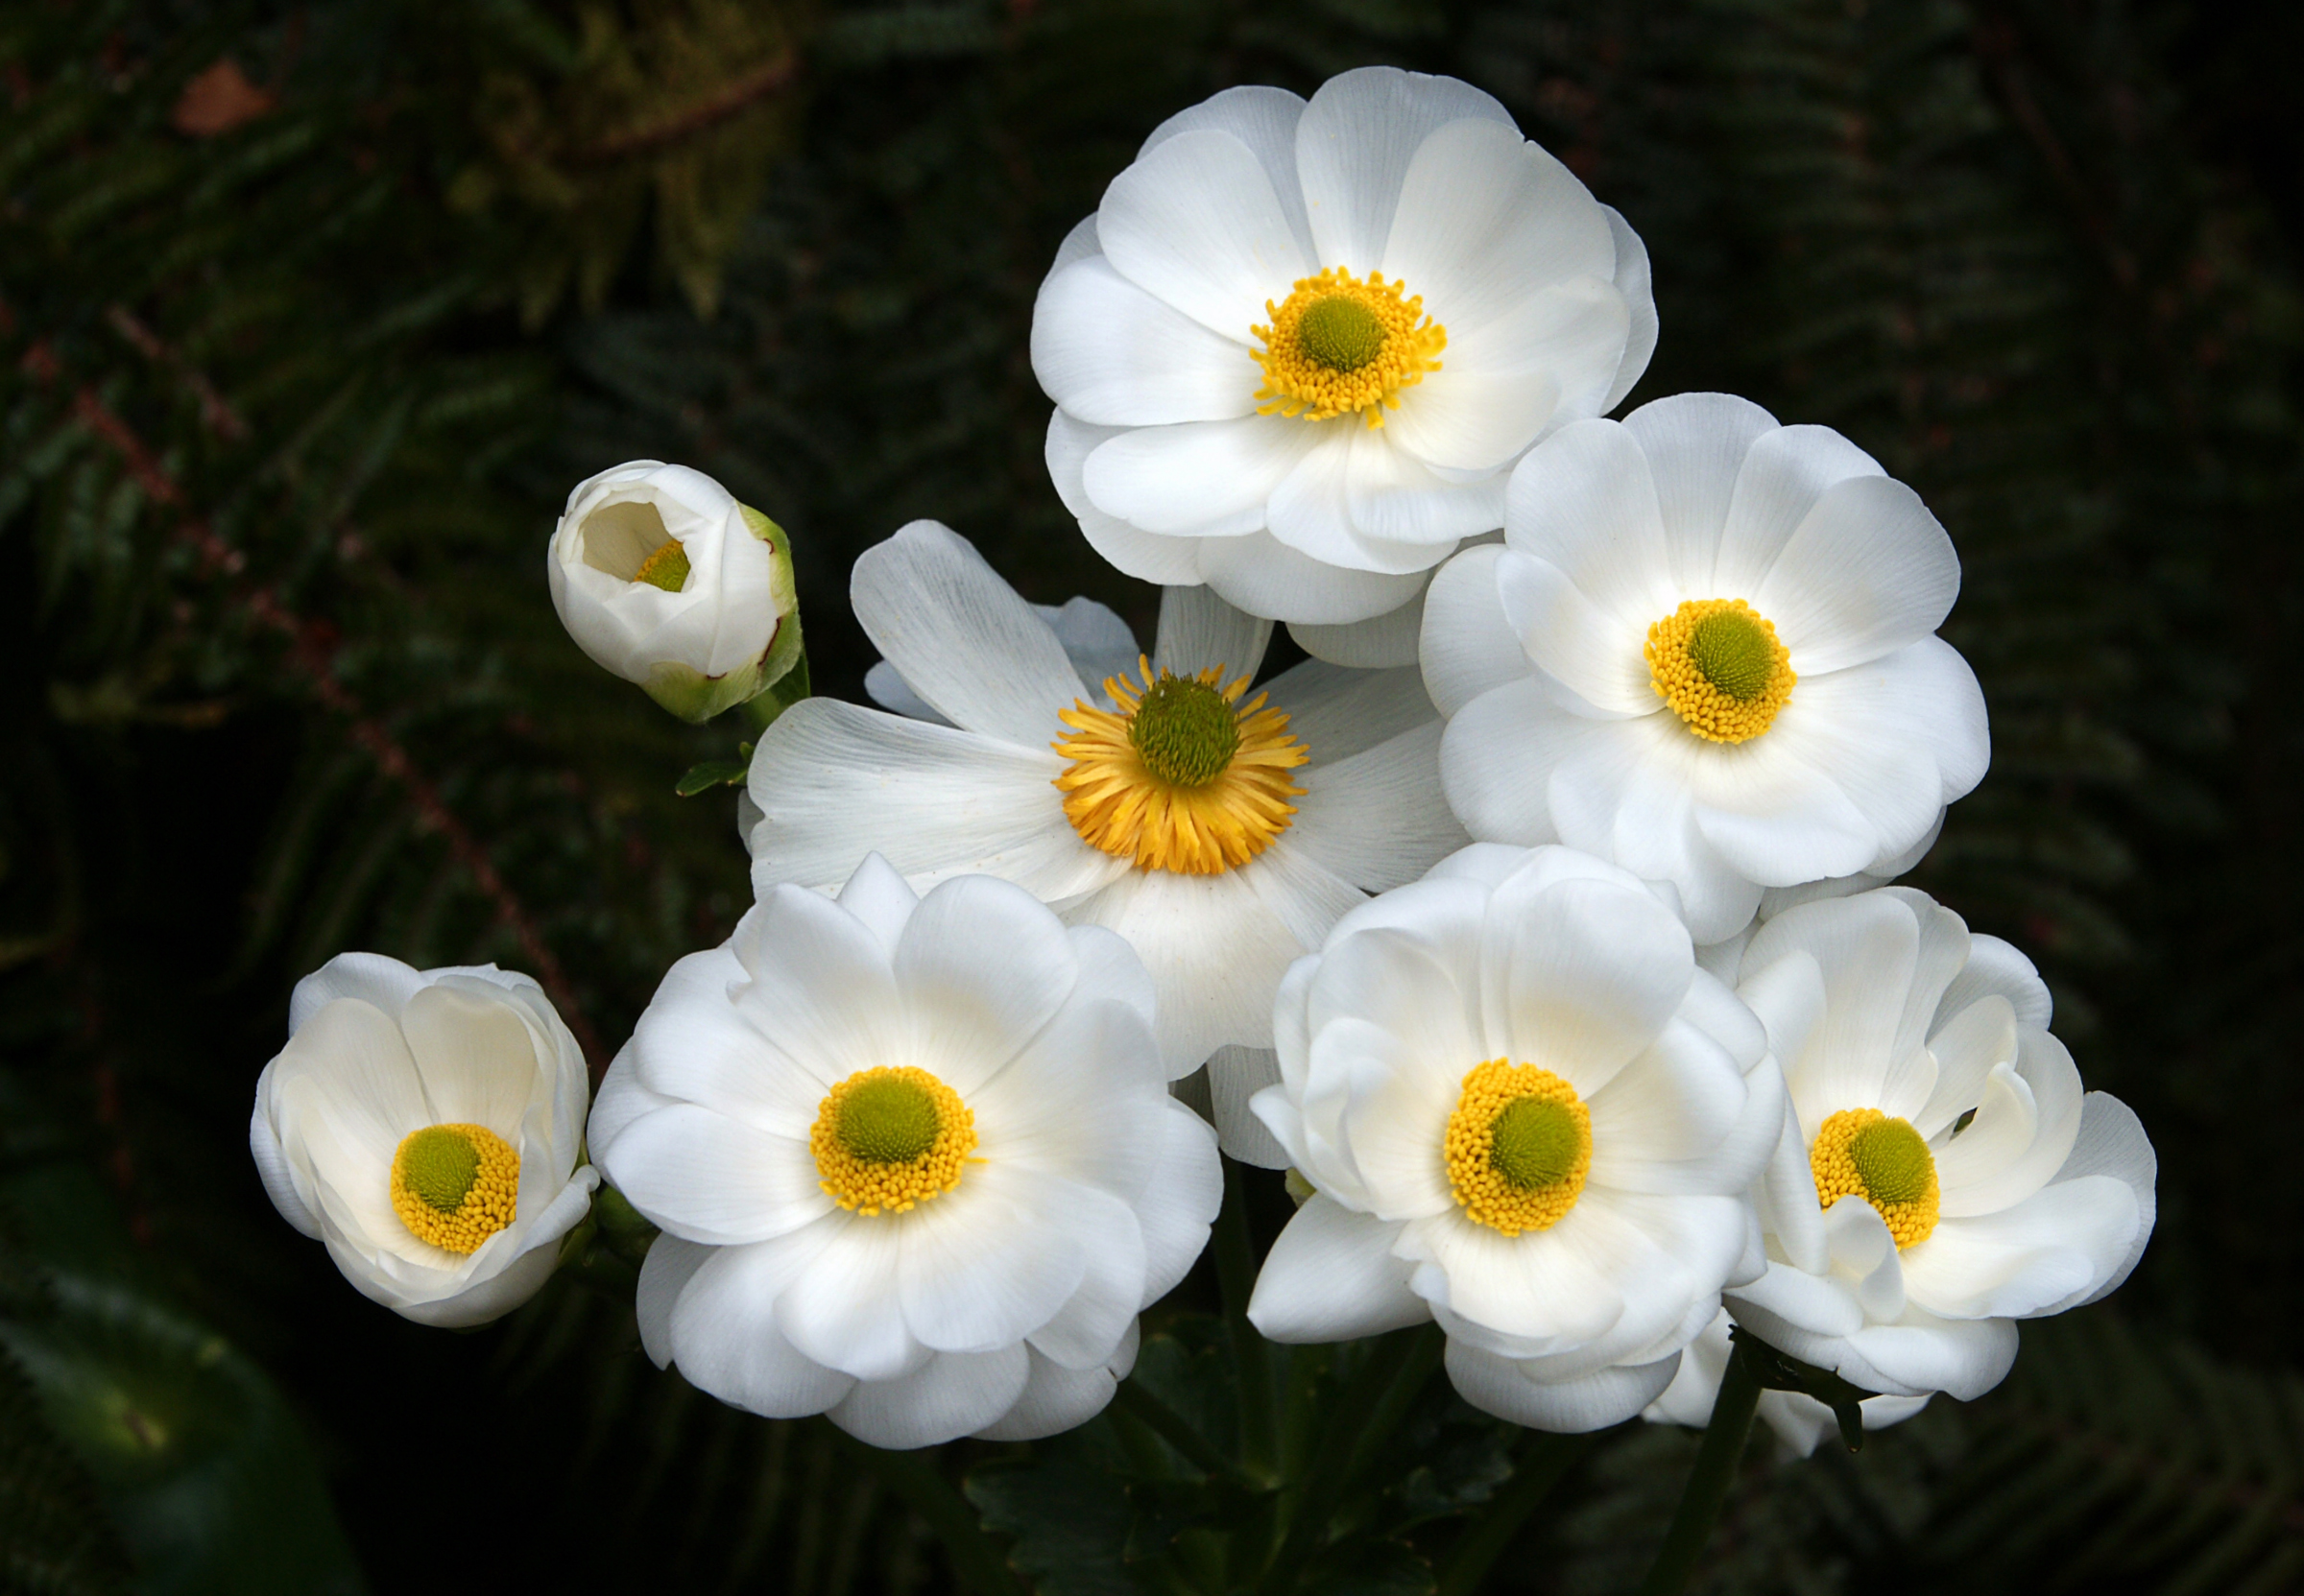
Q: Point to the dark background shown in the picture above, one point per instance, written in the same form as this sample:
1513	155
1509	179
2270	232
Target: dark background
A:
311	314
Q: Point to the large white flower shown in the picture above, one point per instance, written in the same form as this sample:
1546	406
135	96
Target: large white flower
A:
1940	1173
665	580
1526	1114
1798	1420
1706	652
1221	831
1298	346
426	1124
914	1158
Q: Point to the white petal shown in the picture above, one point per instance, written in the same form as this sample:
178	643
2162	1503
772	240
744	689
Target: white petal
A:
2054	1249
1531	1287
1264	119
1581	644
1198	631
1311	510
1331	1276
981	967
1633	282
1110	353
948	1397
1580	976
1391	494
1565	1407
820	987
1354	147
1584	501
1265	577
694	1044
1083	1100
1502	384
1695	444
982	1271
1377	819
709	1180
1339	711
664	1273
1467	645
1661	1125
1235	1076
1203	479
375	979
277	1174
835	782
1995	967
477	1059
960	636
889	690
1867	572
1379	643
1146	555
724	1334
842	1307
878	897
1180	1202
355	1058
1194	221
2112	1143
1784	474
1054	1399
1080	244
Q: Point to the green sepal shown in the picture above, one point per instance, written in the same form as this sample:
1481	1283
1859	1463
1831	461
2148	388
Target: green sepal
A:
695	697
707	773
1777	1370
623	1230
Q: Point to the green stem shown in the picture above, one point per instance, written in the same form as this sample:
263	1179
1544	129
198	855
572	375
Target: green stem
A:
1708	1480
1542	1462
976	1562
1166	1422
1339	1444
1236	1277
1424	1349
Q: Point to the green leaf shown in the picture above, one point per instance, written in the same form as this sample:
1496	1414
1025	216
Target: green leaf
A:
1068	1512
705	775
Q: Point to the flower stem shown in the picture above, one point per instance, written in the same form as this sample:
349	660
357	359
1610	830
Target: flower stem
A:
1166	1422
1542	1462
1323	1483
977	1565
1236	1277
1708	1482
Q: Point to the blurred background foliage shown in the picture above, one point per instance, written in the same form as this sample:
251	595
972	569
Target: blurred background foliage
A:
310	314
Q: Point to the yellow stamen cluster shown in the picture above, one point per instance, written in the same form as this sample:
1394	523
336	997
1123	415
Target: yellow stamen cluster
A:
1519	1146
1181	777
888	1139
1719	664
1337	345
1864	1152
455	1185
666	568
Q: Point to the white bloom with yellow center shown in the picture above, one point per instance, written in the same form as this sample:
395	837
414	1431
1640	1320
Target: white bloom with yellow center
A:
1941	1175
913	1159
665	580
1705	651
1526	1114
1220	827
427	1126
1799	1419
1298	344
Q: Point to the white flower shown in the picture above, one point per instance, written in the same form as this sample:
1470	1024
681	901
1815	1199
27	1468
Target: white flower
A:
1704	652
1526	1114
665	580
426	1125
1298	346
1940	1173
1268	823
1798	1420
913	1159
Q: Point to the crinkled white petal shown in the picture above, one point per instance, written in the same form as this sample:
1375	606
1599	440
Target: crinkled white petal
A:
1110	353
1331	1275
1353	146
1194	221
1577	1406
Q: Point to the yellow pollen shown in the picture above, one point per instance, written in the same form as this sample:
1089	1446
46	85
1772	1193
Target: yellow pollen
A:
1519	1147
455	1185
1338	345
666	568
888	1139
1719	664
1864	1152
1183	776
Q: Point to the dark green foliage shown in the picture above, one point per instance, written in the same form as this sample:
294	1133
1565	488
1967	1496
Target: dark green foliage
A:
296	368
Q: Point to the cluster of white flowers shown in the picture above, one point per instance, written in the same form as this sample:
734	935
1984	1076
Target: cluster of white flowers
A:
1537	923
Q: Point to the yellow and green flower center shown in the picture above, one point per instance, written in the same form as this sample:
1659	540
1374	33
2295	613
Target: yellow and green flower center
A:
1717	663
1867	1154
455	1185
629	541
666	568
1182	776
1518	1147
888	1139
1338	345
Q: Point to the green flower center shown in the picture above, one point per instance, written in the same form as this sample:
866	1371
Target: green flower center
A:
439	1165
1733	652
1340	333
887	1120
666	568
1891	1160
1536	1142
1185	731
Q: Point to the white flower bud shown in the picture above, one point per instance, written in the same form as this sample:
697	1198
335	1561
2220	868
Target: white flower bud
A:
665	580
427	1126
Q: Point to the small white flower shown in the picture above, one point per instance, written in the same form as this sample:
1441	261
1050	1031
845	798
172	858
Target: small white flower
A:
1798	1420
1704	652
1940	1173
1222	830
665	580
913	1159
426	1125
1526	1114
1298	346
